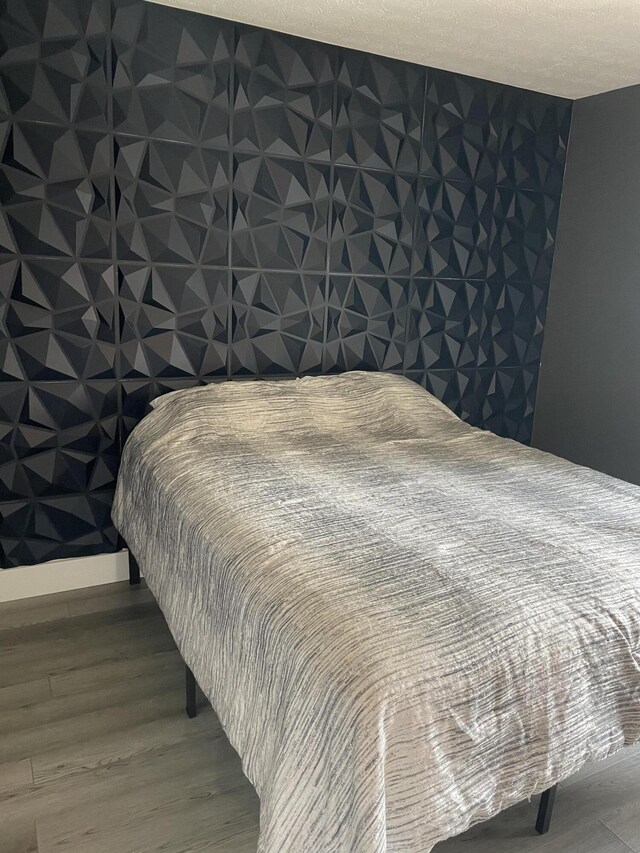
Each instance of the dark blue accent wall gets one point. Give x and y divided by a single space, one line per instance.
184 199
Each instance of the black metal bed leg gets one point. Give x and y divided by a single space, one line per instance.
134 570
545 810
191 694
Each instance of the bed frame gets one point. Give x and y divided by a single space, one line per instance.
547 798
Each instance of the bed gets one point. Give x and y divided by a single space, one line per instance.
404 624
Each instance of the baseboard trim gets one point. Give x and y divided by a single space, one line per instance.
63 575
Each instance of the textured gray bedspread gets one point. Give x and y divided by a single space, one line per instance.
405 624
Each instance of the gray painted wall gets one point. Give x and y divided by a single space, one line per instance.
588 407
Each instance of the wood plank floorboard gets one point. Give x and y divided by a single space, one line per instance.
19 836
97 755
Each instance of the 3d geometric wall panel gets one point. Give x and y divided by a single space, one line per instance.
452 230
172 202
534 133
501 400
444 324
54 528
506 401
171 74
513 315
57 319
523 234
366 323
283 97
187 200
456 388
462 123
138 394
54 61
374 214
379 113
277 322
174 321
280 213
55 190
57 438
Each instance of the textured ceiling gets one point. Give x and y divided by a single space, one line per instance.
572 48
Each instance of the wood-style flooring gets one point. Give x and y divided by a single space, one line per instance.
98 756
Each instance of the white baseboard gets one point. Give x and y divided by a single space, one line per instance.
63 575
